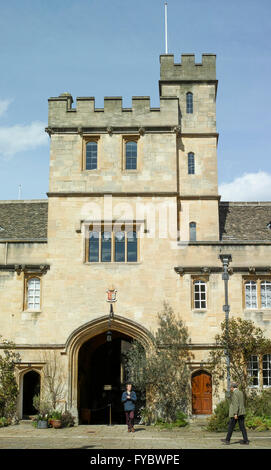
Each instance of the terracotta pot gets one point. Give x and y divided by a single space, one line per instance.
56 423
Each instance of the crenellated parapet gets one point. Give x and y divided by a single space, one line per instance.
85 114
187 69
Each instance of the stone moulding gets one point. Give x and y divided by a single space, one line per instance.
26 268
219 269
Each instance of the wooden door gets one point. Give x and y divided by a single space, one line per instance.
202 393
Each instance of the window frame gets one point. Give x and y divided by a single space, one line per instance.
189 155
195 231
258 371
268 369
205 280
189 104
116 227
258 280
27 278
125 140
86 140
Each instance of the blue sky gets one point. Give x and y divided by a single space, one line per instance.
111 47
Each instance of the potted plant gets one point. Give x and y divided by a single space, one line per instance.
55 419
44 410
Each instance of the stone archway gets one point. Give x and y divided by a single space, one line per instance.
31 387
90 330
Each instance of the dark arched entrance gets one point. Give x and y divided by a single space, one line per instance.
202 393
31 387
101 378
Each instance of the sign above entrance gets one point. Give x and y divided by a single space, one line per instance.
111 295
107 387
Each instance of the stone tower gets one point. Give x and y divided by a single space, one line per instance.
196 135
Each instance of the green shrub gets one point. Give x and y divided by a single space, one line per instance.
67 420
258 413
259 404
181 421
219 420
4 422
258 423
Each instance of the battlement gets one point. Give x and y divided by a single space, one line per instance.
187 69
62 114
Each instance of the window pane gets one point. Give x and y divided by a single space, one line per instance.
131 246
91 155
266 294
33 293
192 231
253 370
191 163
120 246
189 103
200 291
131 155
93 246
267 370
251 294
106 246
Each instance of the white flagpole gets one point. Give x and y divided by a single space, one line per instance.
166 26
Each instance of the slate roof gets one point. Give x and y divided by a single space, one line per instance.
23 220
238 221
246 221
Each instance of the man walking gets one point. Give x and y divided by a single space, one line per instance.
128 399
236 413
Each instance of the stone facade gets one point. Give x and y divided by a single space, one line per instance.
48 238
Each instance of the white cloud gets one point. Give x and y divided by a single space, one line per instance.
4 104
248 187
20 138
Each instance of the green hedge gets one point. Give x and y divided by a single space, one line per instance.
258 413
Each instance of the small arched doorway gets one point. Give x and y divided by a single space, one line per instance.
201 393
31 387
102 378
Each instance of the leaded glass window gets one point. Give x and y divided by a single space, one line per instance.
93 246
91 155
106 246
120 246
192 231
131 155
189 103
131 246
191 163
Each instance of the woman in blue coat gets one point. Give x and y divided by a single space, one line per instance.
128 399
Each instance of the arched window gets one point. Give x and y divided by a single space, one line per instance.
93 246
132 246
192 231
120 246
189 102
106 246
91 155
251 294
191 163
33 293
131 155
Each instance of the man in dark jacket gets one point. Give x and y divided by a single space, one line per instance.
128 399
236 413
